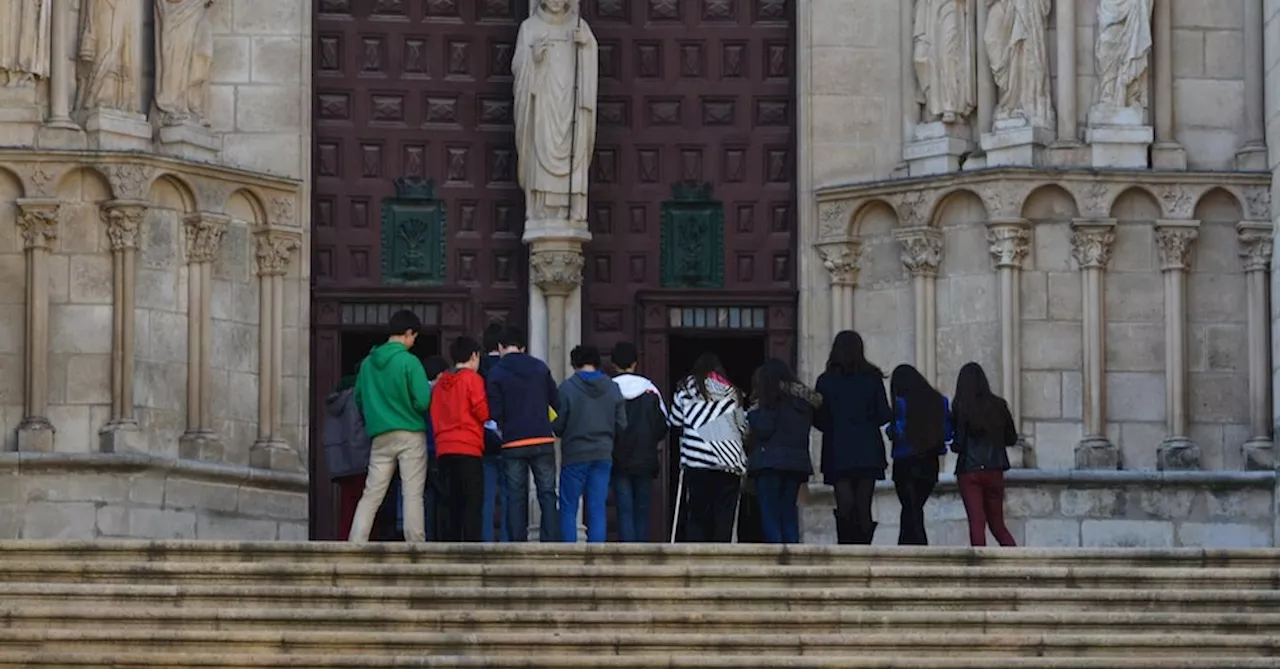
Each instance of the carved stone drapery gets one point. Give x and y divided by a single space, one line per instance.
1017 49
922 255
1257 244
1175 244
1091 244
943 43
38 223
1122 50
184 54
204 233
556 273
123 220
274 250
24 42
108 76
843 262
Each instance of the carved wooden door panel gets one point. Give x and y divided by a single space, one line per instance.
694 91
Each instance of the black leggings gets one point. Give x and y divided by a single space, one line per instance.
853 501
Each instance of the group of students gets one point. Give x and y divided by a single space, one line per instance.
487 423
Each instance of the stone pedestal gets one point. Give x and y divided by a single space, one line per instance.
1259 455
202 446
189 140
1178 454
1097 453
111 129
35 435
61 134
274 455
20 115
1067 154
1015 142
1118 137
1168 156
122 437
936 148
1252 157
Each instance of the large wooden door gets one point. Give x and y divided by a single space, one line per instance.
690 91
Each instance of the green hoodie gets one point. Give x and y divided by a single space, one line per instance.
392 391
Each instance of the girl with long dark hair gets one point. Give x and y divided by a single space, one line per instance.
854 407
984 427
920 431
780 418
707 409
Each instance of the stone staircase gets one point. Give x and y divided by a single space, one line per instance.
242 605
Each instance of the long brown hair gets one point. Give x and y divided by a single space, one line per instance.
975 407
926 410
849 356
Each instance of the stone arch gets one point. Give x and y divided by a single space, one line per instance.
11 185
873 217
84 183
170 191
1219 205
958 207
1049 202
245 205
1136 203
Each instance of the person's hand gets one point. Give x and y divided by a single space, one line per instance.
579 36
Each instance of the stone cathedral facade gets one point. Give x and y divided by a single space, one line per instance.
203 213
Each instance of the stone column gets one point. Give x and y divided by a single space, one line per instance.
38 223
1175 243
922 255
1091 242
986 83
1256 246
204 240
123 219
1253 154
1065 20
907 71
1010 240
842 260
273 250
61 78
557 272
1166 153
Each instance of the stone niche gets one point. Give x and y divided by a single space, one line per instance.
157 385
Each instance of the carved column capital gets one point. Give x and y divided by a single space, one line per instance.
921 250
1010 241
556 272
273 250
1091 242
1175 242
1257 243
38 222
842 260
123 219
204 236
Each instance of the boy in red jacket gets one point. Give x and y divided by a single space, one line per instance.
458 413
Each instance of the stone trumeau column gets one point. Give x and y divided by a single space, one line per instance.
1257 243
922 255
204 240
1175 244
38 222
1091 243
123 219
843 261
1010 240
274 249
557 273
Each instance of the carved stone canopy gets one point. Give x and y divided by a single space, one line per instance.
556 272
123 219
1091 242
1257 243
273 250
38 222
1175 242
921 250
204 236
1010 241
842 260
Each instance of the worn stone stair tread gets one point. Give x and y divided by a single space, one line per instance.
687 575
338 552
68 616
170 660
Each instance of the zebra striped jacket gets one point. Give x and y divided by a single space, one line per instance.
711 428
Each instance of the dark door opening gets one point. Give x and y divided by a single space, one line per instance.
740 355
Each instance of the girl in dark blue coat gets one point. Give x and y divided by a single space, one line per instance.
920 431
780 419
854 407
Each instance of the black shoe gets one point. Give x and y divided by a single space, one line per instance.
844 529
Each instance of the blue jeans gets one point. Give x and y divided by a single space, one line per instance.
632 494
592 480
493 491
516 473
779 516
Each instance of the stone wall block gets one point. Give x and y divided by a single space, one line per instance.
80 329
1052 533
1041 395
293 532
162 523
108 487
88 379
90 281
1224 535
186 495
13 277
215 527
59 520
259 503
1231 504
1126 534
1029 502
1166 503
1090 503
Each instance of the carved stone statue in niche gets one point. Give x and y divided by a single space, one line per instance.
107 75
1019 57
943 57
24 41
1123 52
184 53
555 114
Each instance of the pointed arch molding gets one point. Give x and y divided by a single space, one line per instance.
1004 191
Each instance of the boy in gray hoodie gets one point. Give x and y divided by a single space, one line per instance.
590 417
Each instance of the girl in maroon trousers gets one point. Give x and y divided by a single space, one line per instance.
983 428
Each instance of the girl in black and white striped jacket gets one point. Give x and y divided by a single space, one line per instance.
708 411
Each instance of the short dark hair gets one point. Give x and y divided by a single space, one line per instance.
435 366
492 337
624 354
462 349
584 355
512 336
403 321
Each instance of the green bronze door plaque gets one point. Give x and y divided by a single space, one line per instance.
413 230
692 237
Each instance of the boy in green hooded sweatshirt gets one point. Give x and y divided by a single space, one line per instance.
393 394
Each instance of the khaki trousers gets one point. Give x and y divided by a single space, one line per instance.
409 451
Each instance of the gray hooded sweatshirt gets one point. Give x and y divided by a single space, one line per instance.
592 414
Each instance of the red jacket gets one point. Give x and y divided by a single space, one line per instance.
458 412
